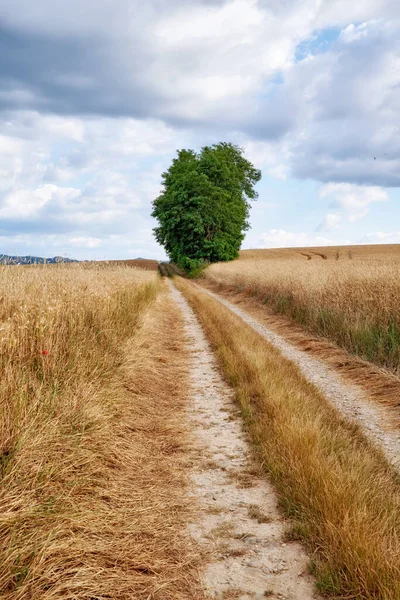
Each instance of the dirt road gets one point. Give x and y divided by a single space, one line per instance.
349 400
239 526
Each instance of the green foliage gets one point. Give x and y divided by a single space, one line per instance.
204 207
196 268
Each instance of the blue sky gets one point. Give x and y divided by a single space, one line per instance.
94 105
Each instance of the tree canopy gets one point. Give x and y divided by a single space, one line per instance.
204 207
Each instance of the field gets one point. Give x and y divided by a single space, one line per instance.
372 252
348 295
113 482
91 497
139 263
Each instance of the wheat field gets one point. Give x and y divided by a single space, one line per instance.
95 489
349 295
359 252
91 501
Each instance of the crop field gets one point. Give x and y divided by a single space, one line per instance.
139 263
348 295
125 473
89 491
372 252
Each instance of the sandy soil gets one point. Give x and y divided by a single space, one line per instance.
350 400
239 525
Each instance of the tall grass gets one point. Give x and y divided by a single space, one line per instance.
342 496
353 303
86 487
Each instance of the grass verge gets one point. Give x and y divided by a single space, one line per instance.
92 441
341 494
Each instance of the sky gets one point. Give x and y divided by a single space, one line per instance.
97 97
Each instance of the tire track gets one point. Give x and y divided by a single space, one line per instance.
239 525
348 399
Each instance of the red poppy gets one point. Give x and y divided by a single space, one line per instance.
44 352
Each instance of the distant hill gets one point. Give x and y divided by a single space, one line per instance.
33 260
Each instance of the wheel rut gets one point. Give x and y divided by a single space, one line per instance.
239 525
374 420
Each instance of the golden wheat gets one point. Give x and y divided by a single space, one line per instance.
91 502
352 302
360 252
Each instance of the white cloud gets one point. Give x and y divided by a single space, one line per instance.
348 109
83 248
85 242
105 98
278 171
280 238
24 203
341 12
380 237
268 156
81 181
352 32
329 222
354 199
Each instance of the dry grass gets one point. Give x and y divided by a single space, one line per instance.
351 302
341 494
256 513
92 447
379 383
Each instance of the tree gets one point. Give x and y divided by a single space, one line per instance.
204 207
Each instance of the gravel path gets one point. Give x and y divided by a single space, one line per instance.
239 525
349 400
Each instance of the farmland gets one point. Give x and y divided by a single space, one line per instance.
348 295
89 416
157 443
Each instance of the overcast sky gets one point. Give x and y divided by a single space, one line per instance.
97 96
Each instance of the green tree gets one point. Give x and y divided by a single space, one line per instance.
204 207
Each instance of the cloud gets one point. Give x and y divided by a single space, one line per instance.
229 66
341 12
83 248
186 63
355 200
85 242
380 237
93 105
190 62
280 238
268 156
23 204
329 222
80 179
349 108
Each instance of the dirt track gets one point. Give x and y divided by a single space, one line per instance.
349 400
239 525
